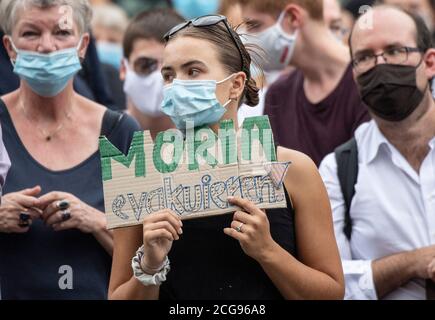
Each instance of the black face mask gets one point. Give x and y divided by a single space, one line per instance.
390 91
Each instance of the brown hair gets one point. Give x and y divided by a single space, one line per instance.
151 24
225 5
275 7
228 54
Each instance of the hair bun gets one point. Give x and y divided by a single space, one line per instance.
251 93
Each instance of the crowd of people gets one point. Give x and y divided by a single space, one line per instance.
347 86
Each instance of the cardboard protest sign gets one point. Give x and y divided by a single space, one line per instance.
192 173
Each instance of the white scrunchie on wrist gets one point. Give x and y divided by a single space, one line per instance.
146 279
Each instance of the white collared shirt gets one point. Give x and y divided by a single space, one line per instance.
393 210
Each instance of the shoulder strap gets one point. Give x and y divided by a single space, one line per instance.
346 156
110 120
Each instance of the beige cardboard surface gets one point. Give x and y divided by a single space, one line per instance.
131 194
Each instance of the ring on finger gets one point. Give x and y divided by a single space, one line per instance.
63 204
24 217
239 228
65 215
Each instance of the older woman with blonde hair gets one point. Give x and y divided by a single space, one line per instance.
53 238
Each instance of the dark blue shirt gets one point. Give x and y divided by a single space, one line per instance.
30 264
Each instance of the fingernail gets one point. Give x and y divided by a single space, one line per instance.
180 231
230 198
181 223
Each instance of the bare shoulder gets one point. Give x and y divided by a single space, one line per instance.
90 105
302 181
301 167
92 112
10 99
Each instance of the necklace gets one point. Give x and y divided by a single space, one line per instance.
48 136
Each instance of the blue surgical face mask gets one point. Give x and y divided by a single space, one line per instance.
47 74
190 9
110 53
193 100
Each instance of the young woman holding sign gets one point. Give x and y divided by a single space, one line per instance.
286 253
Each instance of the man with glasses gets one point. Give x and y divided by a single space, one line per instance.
389 251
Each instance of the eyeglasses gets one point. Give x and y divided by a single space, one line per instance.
395 55
207 21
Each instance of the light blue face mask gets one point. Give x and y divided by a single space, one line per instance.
190 9
193 100
110 53
47 74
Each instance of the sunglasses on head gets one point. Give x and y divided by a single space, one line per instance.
206 21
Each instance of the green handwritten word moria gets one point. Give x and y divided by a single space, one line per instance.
191 173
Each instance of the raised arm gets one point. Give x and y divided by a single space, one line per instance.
157 233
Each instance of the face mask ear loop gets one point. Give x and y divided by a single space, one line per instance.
78 47
80 43
226 79
281 29
13 47
291 37
429 82
279 23
281 18
227 103
222 81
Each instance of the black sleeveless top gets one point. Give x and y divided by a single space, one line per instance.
208 264
31 263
